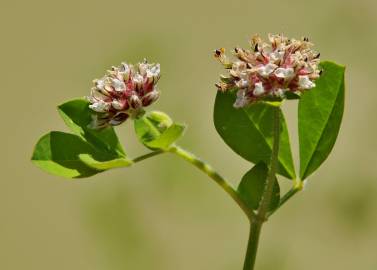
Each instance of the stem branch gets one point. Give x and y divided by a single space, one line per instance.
213 174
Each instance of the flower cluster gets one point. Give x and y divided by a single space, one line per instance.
270 70
123 93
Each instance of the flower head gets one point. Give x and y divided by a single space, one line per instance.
123 93
270 70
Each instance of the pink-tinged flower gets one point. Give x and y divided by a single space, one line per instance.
123 93
270 70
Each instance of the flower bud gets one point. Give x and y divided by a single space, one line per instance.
150 97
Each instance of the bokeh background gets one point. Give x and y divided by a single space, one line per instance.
164 214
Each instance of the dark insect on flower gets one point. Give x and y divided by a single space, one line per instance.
123 93
270 69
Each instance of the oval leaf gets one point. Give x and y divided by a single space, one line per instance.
249 132
320 114
252 186
158 132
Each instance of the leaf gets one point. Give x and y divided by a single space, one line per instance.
68 155
252 186
158 132
77 115
249 132
58 153
320 114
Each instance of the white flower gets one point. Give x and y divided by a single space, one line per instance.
285 73
241 99
100 106
138 79
143 67
125 71
100 84
153 71
117 105
266 70
239 66
305 83
118 85
259 89
276 55
242 83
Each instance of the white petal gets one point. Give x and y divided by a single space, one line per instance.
100 84
305 83
100 106
285 73
259 89
118 85
241 100
242 83
266 70
276 55
117 105
239 66
138 79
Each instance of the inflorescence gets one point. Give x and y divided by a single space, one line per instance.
270 70
123 92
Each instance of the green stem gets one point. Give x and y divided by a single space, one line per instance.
261 216
151 154
207 169
252 245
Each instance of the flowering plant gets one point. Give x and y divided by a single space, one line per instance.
247 115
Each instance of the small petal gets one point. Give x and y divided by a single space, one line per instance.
242 83
241 100
285 73
100 106
150 98
138 79
259 89
117 105
276 56
266 70
100 84
118 85
305 83
135 102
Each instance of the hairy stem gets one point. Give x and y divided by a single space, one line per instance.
213 174
262 212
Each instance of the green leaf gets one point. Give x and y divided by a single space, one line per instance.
156 130
249 132
58 153
252 186
320 114
77 115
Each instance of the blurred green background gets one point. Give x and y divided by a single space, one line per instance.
164 214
